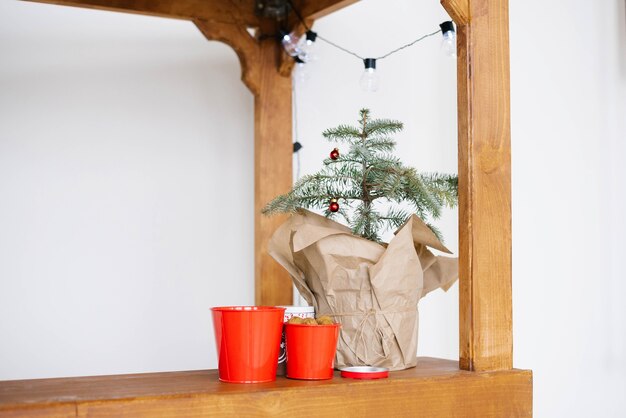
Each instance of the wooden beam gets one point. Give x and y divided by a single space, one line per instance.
232 11
245 46
435 388
485 317
273 154
458 10
316 9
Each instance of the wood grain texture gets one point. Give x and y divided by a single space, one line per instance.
224 11
55 410
435 388
273 154
458 10
316 9
485 316
245 46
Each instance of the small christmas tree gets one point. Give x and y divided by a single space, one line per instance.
353 184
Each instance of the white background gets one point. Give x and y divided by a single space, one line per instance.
126 184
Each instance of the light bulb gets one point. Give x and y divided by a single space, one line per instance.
290 43
307 47
369 79
304 53
448 43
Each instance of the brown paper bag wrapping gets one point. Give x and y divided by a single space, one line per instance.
371 290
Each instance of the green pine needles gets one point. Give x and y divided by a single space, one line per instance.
365 177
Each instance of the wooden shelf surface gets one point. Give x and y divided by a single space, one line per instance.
435 387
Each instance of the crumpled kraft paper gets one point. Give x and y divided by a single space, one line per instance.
371 289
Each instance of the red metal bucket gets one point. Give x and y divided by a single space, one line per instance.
311 350
248 341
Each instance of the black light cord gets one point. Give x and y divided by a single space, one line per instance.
347 51
298 15
409 44
339 47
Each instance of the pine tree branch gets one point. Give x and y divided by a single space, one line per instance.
363 175
342 160
443 186
381 144
342 133
383 127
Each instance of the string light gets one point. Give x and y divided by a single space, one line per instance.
369 79
302 49
448 43
306 46
289 42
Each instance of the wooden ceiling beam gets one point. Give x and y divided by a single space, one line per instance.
233 12
316 9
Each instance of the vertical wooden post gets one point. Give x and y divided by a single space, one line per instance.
273 153
485 323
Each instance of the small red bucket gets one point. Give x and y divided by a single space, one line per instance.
311 350
248 341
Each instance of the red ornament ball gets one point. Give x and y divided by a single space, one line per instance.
334 206
334 154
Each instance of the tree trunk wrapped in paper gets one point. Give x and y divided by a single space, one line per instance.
372 290
370 287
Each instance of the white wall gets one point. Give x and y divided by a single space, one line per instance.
126 192
568 91
121 138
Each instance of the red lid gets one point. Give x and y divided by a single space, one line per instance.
365 372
